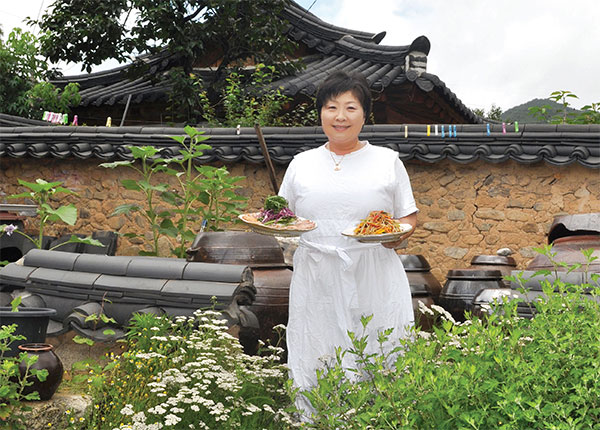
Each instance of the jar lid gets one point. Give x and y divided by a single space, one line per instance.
414 263
474 274
498 260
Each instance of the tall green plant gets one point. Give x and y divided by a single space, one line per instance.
205 193
146 163
42 192
210 186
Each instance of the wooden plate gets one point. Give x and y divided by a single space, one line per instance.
299 227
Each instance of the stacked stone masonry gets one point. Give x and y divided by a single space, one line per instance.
465 209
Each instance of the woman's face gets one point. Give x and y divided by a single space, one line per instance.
342 119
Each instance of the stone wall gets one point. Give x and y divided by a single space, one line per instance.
465 209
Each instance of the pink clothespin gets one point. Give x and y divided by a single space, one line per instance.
503 128
74 120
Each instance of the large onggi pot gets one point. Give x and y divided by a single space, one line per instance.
495 262
568 235
424 287
264 256
463 285
568 250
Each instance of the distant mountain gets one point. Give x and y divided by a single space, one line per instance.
520 113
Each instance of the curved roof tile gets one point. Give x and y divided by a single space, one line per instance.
556 145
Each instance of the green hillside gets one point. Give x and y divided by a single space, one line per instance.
520 113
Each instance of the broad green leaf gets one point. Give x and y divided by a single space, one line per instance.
191 131
116 164
170 198
88 240
179 139
130 184
83 340
143 151
67 214
25 195
14 304
109 332
92 317
204 197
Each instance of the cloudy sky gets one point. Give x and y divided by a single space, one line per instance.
504 52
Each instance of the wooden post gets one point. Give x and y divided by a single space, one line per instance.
265 151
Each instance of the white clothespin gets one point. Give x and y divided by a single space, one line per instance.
238 129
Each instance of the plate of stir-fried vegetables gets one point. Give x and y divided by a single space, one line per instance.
277 219
378 227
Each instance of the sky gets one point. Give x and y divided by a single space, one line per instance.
502 53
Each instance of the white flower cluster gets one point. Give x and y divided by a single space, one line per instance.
207 375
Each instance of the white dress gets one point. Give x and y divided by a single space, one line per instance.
337 279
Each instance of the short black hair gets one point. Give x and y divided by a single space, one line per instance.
340 82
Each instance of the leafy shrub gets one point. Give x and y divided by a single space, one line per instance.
501 372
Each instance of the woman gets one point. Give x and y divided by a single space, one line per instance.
337 279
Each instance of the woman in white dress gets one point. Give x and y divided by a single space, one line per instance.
337 279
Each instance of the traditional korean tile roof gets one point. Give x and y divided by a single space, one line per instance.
330 48
554 144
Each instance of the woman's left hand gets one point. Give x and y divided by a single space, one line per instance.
409 219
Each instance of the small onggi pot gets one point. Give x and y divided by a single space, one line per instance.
48 360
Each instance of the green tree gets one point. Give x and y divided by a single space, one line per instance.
495 112
230 32
21 68
24 89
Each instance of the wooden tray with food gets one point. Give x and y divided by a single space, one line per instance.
277 219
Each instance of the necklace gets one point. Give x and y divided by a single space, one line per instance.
337 167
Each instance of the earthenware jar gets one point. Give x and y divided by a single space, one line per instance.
47 360
567 250
463 285
495 262
483 302
418 272
263 254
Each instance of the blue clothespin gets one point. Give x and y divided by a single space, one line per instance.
488 129
443 134
454 128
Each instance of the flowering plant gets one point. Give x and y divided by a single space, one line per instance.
41 192
187 372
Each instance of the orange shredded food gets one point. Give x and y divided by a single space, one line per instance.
378 222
